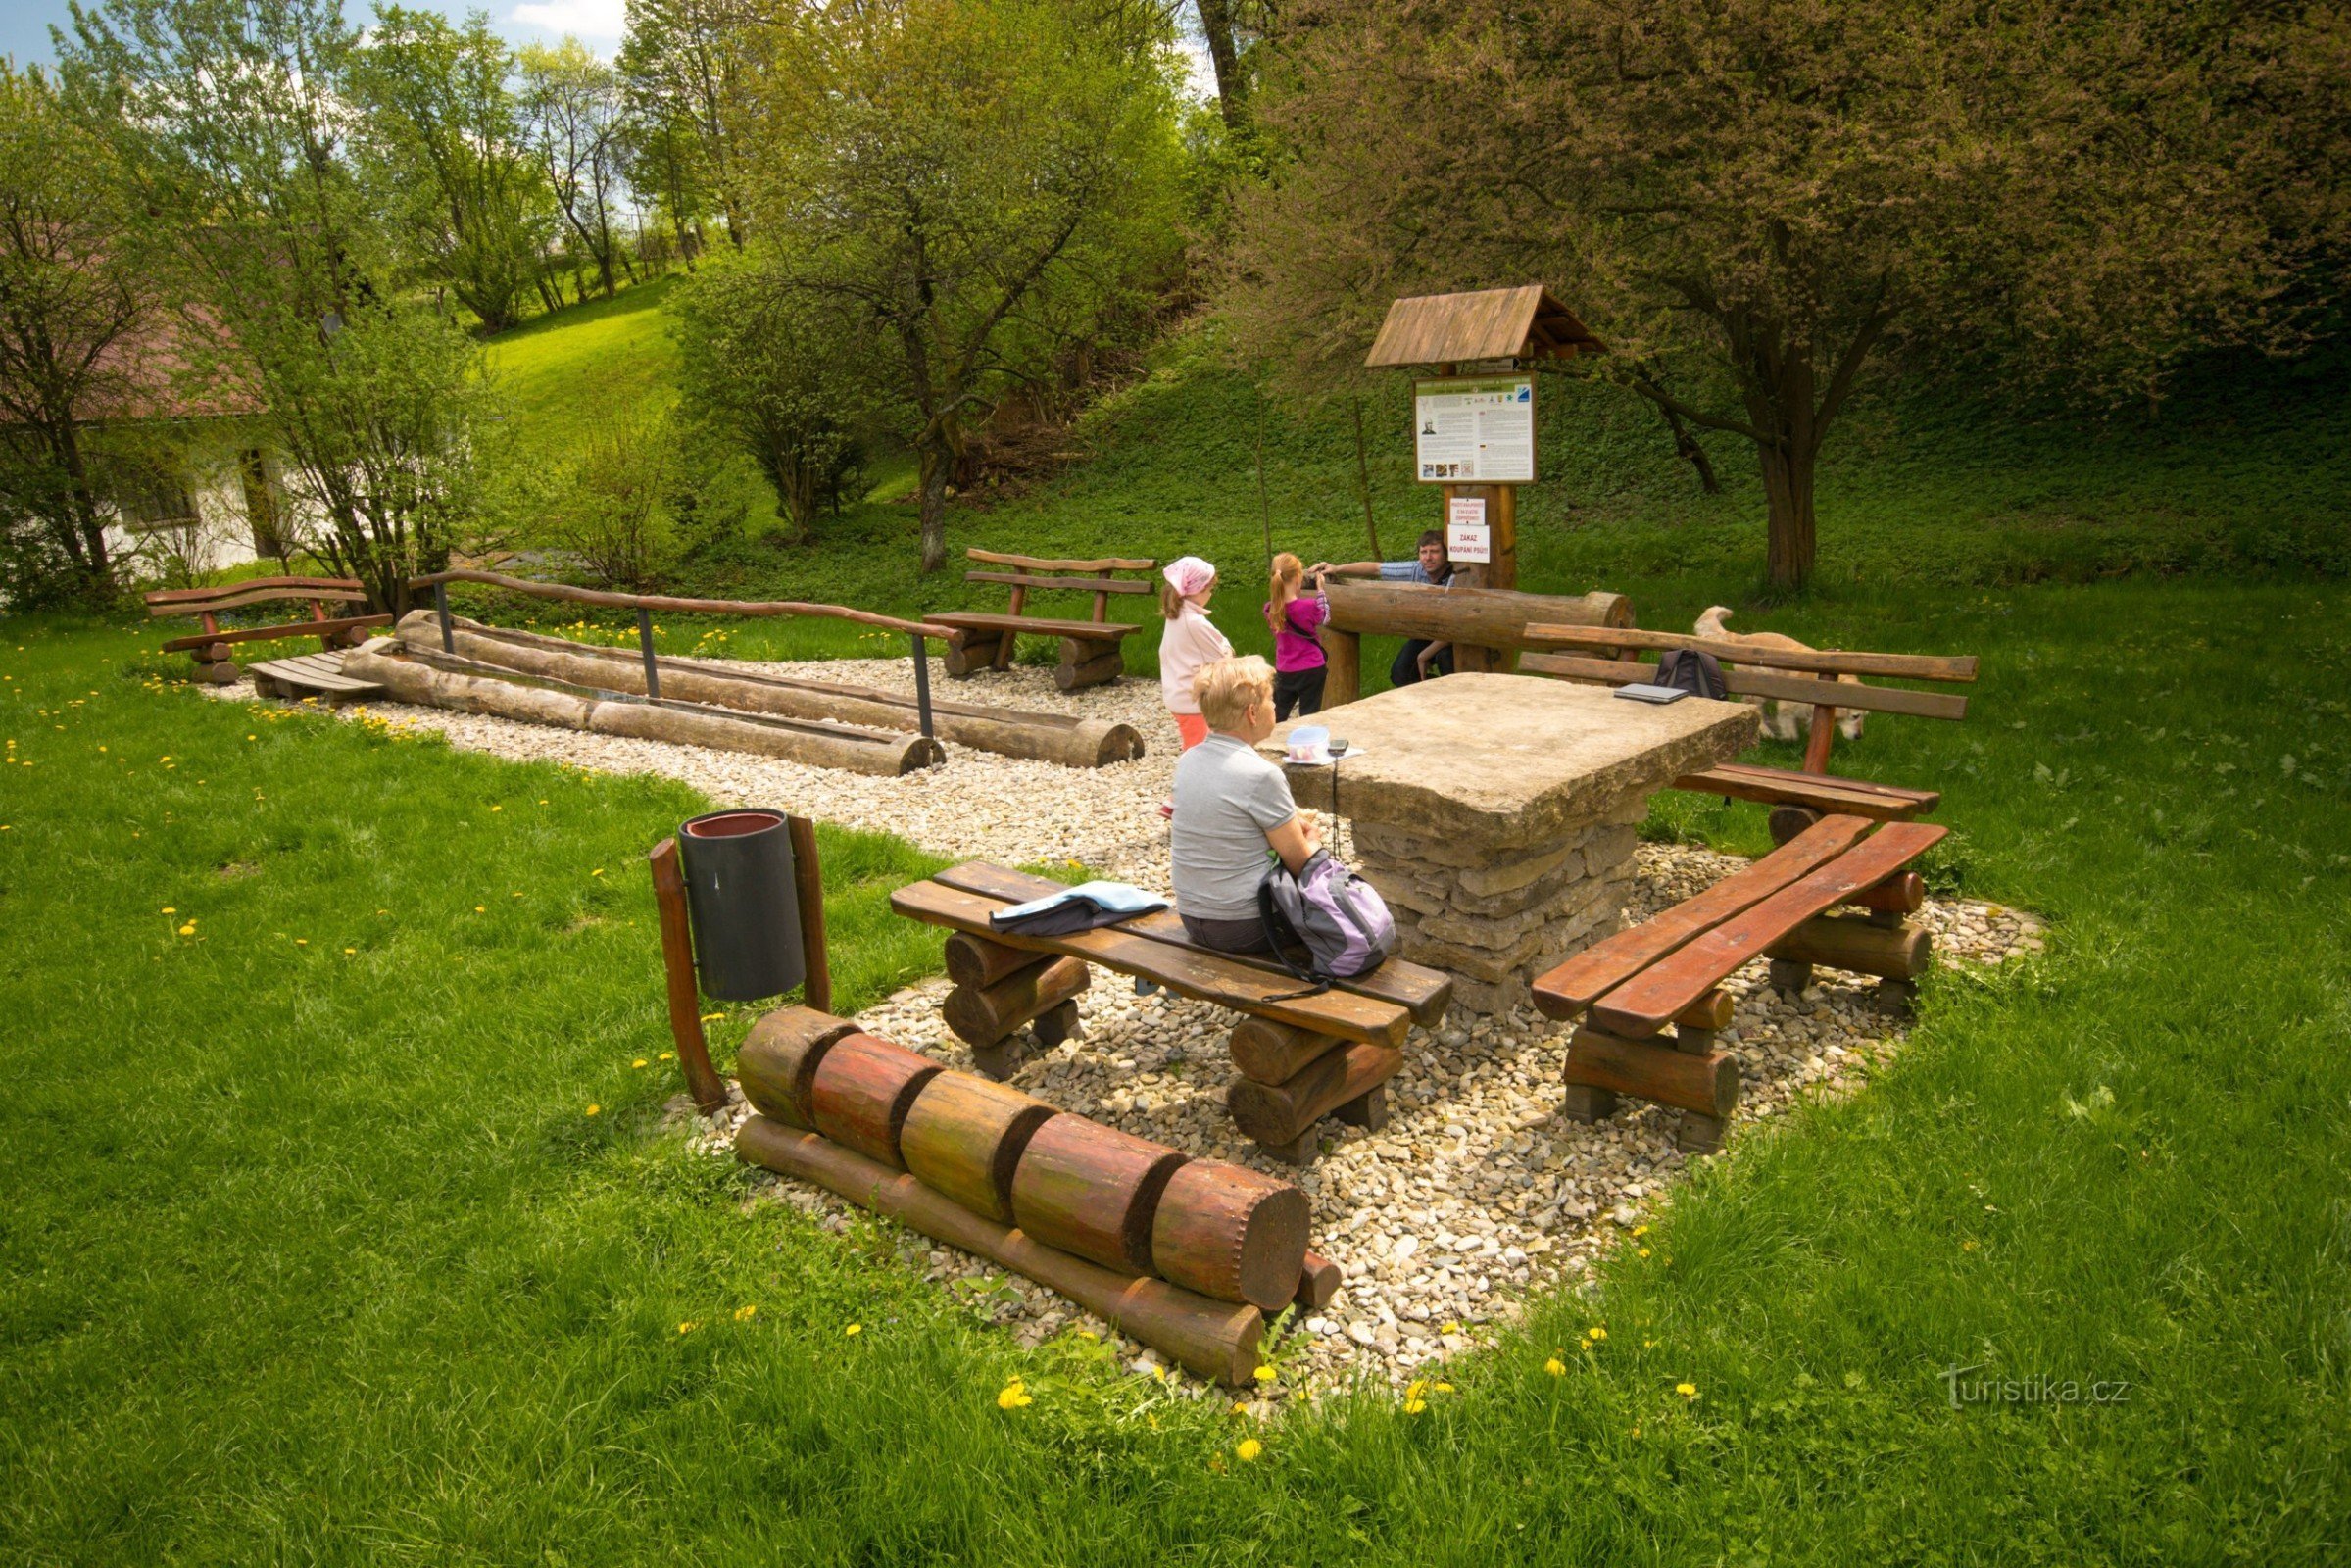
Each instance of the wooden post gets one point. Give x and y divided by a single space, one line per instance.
807 890
1343 666
1823 736
922 686
440 607
652 672
1502 572
685 996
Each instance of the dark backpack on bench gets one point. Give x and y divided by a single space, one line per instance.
1690 670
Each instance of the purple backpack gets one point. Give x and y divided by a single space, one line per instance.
1338 917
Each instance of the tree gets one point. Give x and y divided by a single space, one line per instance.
444 139
773 372
71 301
577 116
227 121
980 180
683 62
1779 194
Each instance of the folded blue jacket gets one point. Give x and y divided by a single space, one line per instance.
1080 909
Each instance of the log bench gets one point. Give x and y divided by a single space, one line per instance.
1829 680
211 646
1301 1058
1090 648
1668 972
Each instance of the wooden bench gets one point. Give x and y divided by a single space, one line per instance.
1669 971
1301 1058
211 646
1827 680
1090 648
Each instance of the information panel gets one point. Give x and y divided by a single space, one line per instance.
1475 429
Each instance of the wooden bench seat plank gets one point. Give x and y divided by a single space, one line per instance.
1744 682
263 634
1648 1001
1422 992
1091 585
1204 977
240 601
1582 980
1881 802
1823 660
997 558
982 620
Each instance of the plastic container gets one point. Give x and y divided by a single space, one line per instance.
739 894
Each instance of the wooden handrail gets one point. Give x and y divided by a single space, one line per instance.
1912 667
683 606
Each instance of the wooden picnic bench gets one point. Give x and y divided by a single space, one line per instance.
211 646
1669 971
1090 648
1827 680
1301 1057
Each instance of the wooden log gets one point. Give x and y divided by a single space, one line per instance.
1654 1070
1586 1103
984 1015
1489 617
1275 1053
1055 1024
1343 667
1903 952
777 1064
1908 666
1278 1113
1713 1011
684 993
1790 977
1217 1340
1319 1280
1093 1190
1699 1134
1897 895
970 652
437 680
861 1092
1367 1111
1063 739
1094 670
977 963
965 1136
1230 1232
218 672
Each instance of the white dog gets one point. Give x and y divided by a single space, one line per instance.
1782 720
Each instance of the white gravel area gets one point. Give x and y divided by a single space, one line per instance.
1475 1194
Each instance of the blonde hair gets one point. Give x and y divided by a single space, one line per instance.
1287 568
1229 688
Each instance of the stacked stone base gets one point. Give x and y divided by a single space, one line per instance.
1495 916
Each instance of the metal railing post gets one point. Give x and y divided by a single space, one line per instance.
653 676
440 607
922 685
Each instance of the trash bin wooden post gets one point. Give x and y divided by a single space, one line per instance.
685 994
808 887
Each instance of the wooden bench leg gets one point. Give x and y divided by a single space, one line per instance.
1367 1111
1705 1082
1587 1103
984 1015
999 1060
1899 996
1056 1025
1699 1134
1085 662
1787 821
1900 952
1789 976
970 652
1303 1149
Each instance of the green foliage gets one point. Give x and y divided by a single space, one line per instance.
576 110
774 374
615 505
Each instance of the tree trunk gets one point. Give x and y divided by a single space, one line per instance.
938 462
1788 490
1216 22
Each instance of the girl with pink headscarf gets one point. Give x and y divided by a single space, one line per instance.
1188 644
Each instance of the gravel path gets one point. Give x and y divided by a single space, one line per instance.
1476 1194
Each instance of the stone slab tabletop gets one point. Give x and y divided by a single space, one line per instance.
1509 760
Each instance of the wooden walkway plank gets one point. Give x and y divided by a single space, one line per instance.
1575 985
1422 992
1644 1003
1204 977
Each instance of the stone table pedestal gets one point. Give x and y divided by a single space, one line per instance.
1496 813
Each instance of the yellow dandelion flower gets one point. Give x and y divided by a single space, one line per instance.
1417 1388
1645 1251
1266 1374
1596 1334
688 1326
167 910
302 941
1013 1396
350 952
1448 1328
1247 1449
1556 1368
1688 1391
712 1017
1443 1388
1968 1245
599 871
1415 1406
667 1055
595 1110
744 1314
481 909
497 808
188 930
1641 1230
854 1330
639 1062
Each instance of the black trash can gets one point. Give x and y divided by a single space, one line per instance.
738 869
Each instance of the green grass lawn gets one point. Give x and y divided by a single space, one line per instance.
315 1254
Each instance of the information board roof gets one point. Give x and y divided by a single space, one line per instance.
1495 324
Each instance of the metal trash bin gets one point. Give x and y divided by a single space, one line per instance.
738 867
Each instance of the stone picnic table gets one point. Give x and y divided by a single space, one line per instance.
1496 813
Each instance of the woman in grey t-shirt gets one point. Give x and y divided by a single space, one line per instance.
1233 811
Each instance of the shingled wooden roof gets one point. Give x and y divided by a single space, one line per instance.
1495 324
